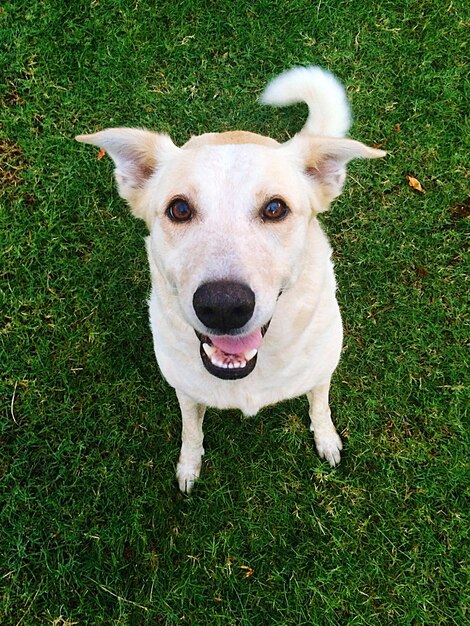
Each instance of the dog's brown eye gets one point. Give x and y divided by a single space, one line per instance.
179 211
275 210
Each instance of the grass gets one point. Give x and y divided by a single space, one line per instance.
92 527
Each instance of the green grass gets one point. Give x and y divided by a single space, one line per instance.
92 527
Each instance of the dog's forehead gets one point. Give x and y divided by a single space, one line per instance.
231 170
231 162
231 137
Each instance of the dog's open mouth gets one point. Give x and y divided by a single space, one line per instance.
231 356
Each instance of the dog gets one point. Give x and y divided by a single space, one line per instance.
243 309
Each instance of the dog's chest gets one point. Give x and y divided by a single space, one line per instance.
293 359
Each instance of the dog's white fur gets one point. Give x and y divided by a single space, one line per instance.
228 178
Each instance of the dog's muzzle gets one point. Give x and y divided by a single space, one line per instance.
224 307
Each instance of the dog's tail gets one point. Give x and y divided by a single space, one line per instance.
329 112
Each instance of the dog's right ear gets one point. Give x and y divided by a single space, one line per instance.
136 153
324 160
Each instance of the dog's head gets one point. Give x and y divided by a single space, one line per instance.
228 216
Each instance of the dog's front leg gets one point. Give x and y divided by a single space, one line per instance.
189 464
327 440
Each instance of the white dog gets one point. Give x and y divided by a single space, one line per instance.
243 308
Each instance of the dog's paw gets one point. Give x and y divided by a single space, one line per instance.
187 476
329 447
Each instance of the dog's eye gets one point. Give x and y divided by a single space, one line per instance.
275 210
179 211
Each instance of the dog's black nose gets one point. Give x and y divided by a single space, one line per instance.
224 305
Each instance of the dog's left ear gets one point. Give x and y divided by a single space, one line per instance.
324 160
137 154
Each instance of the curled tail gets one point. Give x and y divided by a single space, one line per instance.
329 113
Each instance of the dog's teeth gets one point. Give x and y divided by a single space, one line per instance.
250 354
238 361
209 350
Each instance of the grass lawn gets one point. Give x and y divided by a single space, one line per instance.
92 527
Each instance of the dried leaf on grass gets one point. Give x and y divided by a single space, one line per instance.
101 154
248 571
414 183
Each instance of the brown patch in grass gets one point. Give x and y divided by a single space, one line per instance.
459 211
11 164
12 97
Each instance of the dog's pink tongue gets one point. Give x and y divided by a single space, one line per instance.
237 345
